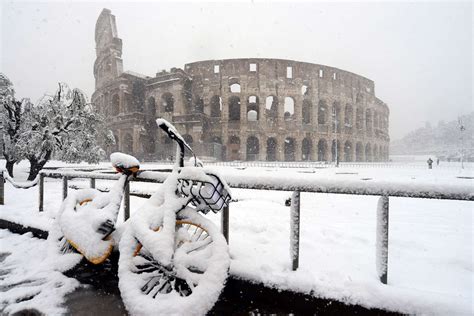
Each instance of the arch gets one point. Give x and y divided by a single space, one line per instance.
305 90
289 108
116 146
322 150
151 106
368 120
252 148
289 149
359 119
115 104
359 152
307 112
322 112
127 144
271 149
188 139
234 108
375 156
234 148
348 117
167 102
306 148
235 87
376 119
271 107
216 106
348 151
368 152
199 105
253 108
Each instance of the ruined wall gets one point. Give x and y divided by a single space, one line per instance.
240 109
314 107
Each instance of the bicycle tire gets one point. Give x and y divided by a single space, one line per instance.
193 283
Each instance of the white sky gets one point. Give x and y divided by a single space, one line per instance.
418 53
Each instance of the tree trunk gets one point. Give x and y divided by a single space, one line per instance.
36 166
9 166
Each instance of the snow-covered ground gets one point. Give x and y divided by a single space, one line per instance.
430 241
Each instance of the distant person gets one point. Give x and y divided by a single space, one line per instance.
430 163
437 161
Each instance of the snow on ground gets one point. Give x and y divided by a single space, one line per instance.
430 241
27 280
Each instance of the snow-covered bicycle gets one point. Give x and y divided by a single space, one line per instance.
173 260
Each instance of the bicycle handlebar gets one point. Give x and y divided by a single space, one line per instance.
174 135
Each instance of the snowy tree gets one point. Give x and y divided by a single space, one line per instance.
12 112
63 126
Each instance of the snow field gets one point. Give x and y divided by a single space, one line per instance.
430 241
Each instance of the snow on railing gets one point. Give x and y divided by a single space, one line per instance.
286 182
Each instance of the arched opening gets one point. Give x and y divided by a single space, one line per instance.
306 148
188 139
271 149
115 147
348 151
375 156
336 118
289 108
307 111
368 120
368 153
234 108
234 148
252 108
167 102
359 152
252 148
322 150
305 90
322 112
359 119
348 118
289 149
128 144
271 107
216 139
151 107
216 106
235 88
115 104
199 105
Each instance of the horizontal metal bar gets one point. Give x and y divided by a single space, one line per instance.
310 183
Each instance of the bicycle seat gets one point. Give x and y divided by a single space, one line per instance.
124 163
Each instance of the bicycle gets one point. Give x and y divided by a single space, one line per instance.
172 259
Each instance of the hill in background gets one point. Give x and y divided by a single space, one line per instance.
443 141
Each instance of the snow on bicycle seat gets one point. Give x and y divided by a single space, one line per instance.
122 162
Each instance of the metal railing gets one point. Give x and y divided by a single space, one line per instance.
364 186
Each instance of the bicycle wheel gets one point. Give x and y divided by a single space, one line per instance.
189 286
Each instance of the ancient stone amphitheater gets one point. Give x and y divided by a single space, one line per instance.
240 109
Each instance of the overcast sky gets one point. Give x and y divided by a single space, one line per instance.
418 53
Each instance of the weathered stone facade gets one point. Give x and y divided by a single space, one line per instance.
241 109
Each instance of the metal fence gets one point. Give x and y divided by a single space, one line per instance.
383 189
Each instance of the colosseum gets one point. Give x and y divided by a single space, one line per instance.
240 109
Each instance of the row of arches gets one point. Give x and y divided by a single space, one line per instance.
346 151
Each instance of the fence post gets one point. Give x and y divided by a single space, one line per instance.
126 202
64 187
225 223
41 192
92 183
381 239
295 229
2 188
